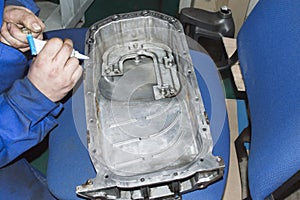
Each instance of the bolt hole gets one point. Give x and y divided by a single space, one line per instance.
90 41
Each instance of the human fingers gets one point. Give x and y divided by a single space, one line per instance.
37 35
2 39
72 71
24 17
51 49
34 24
71 65
24 49
16 33
77 74
51 79
40 37
5 32
65 52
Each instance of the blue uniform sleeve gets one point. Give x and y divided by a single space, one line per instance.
26 116
26 3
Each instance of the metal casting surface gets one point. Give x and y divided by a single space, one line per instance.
148 134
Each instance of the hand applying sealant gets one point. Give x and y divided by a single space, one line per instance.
36 46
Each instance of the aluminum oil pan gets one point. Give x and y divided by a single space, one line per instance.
148 134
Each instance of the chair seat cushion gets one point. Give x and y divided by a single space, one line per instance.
69 164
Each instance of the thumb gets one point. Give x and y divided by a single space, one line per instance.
35 27
33 23
23 17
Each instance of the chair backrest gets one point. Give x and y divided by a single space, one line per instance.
269 54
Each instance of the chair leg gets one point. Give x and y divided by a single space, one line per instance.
242 156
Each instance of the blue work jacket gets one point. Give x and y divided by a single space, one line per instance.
26 115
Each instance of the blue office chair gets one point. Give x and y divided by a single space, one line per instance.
69 164
269 49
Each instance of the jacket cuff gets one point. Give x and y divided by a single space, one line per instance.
31 102
30 4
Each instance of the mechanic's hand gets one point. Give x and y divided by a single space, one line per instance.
53 71
16 18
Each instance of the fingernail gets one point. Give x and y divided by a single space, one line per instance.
36 27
